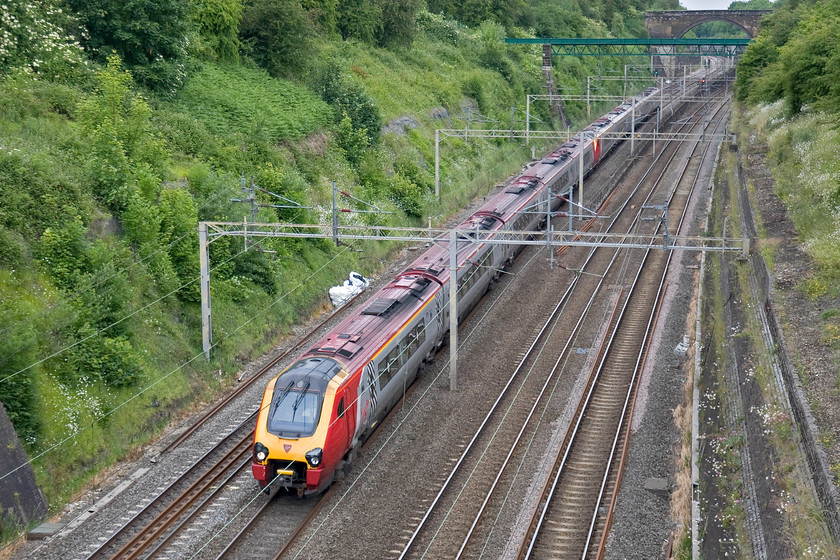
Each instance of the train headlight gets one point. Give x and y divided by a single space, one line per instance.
260 452
314 457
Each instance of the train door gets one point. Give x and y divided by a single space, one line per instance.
367 401
441 315
344 423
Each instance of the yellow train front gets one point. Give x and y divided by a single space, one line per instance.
302 429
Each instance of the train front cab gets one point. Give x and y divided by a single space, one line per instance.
303 427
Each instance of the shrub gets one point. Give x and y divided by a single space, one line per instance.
353 142
406 195
63 252
350 99
473 87
217 23
113 360
179 225
278 35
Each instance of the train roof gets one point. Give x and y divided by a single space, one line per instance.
357 339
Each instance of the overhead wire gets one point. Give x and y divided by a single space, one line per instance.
172 372
126 317
99 281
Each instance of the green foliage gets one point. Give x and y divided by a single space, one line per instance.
803 159
492 53
278 35
256 267
352 141
125 148
409 168
286 182
475 12
398 22
359 19
106 291
149 35
13 248
795 57
811 59
760 54
438 27
217 26
406 195
63 252
473 87
111 360
233 100
324 13
349 99
559 19
142 222
36 191
178 224
33 39
17 352
185 134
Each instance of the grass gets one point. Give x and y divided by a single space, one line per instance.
234 100
804 164
803 527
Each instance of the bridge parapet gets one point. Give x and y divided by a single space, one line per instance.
675 23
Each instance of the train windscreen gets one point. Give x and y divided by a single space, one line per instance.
294 412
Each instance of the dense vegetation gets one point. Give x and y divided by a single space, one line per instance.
790 76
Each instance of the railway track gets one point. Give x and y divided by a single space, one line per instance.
152 529
154 525
574 511
461 517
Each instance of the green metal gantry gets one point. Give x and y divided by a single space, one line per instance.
639 47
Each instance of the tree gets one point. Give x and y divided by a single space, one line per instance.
149 35
278 35
760 54
398 25
324 13
33 37
810 55
359 19
217 24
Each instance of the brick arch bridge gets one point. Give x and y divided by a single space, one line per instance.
673 24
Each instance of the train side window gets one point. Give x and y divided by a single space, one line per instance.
391 367
384 374
403 354
340 411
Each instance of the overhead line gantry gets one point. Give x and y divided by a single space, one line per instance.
637 47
